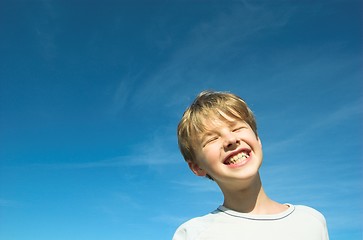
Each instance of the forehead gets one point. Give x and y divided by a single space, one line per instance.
215 120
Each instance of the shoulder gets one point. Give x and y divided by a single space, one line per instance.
193 227
313 219
311 214
310 211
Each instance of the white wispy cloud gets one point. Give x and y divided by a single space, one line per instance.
125 90
45 29
169 219
138 159
320 123
111 206
9 203
189 65
156 149
342 114
199 185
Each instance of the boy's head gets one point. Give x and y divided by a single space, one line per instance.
210 105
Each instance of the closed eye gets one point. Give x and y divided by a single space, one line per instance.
238 128
209 140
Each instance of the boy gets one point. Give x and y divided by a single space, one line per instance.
218 138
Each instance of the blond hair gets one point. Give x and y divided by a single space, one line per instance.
206 105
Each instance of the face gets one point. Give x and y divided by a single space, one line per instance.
228 151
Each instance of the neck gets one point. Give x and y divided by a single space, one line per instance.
251 199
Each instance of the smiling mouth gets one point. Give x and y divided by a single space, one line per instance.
240 157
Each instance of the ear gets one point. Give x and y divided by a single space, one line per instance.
259 141
196 169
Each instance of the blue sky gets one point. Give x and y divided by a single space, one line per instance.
91 93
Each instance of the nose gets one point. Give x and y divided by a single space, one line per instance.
230 141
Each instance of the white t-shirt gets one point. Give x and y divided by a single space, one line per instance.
296 223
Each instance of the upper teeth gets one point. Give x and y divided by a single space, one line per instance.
239 156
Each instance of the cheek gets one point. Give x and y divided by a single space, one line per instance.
210 155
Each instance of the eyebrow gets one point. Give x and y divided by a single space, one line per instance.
202 136
207 134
